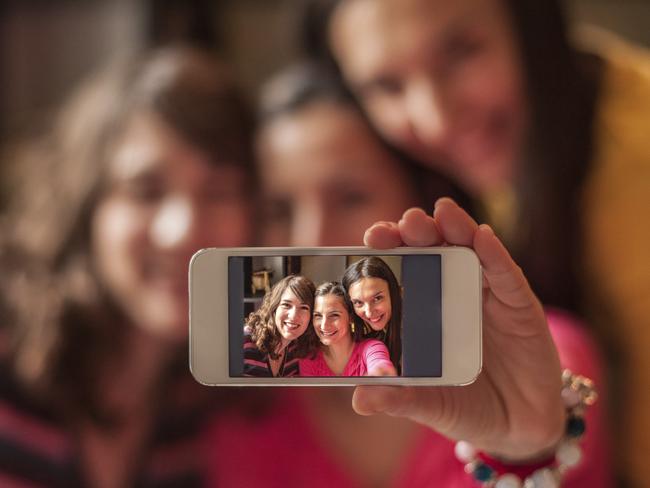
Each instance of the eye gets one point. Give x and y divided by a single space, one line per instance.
276 210
378 298
304 308
352 198
357 304
382 85
144 190
461 48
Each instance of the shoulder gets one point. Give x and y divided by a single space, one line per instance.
621 120
311 366
32 434
372 345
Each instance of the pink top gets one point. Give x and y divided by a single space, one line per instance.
284 449
366 355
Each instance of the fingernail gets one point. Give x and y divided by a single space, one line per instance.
487 228
442 199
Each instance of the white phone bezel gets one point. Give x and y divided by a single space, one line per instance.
461 324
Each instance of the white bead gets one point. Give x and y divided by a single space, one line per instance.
569 454
542 478
508 481
464 451
570 397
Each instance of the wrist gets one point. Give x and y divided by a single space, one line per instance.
548 466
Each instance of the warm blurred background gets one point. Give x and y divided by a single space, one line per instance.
48 46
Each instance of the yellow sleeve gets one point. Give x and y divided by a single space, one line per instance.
616 210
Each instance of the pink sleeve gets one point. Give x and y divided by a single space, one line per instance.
579 353
375 355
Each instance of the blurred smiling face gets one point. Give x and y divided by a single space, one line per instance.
164 200
443 80
325 178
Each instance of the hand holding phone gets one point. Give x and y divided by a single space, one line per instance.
513 410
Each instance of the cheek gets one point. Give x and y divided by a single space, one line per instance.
493 84
119 240
391 119
227 226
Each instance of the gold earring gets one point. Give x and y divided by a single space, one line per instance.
352 327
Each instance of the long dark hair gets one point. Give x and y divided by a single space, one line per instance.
261 323
374 267
563 86
62 325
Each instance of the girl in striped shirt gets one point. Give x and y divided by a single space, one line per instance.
278 333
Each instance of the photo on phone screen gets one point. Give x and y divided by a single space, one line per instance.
335 315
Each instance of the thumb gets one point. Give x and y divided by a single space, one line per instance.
398 401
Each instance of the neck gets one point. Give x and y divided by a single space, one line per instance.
131 379
282 345
339 353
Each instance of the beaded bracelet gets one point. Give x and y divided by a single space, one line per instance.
578 392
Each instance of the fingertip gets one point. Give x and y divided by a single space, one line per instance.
444 201
371 400
414 211
455 224
382 235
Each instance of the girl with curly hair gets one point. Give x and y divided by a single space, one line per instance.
278 334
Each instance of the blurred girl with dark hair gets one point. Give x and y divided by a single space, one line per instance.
279 333
550 137
377 301
343 350
322 188
148 163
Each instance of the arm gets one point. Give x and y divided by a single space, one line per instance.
377 359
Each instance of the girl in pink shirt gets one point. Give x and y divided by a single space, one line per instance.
343 352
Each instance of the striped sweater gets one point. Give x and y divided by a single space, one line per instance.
256 362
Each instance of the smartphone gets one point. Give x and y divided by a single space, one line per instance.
405 316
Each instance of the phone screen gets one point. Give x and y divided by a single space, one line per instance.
336 315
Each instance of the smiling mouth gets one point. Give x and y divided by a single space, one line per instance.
376 320
328 334
291 325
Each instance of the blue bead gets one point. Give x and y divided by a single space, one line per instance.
483 472
575 426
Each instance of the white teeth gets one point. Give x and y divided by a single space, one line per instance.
327 334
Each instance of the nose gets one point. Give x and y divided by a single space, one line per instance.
174 222
292 312
425 111
367 310
308 226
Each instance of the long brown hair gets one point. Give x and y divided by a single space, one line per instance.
374 267
262 322
62 324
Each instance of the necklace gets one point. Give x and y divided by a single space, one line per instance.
282 360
